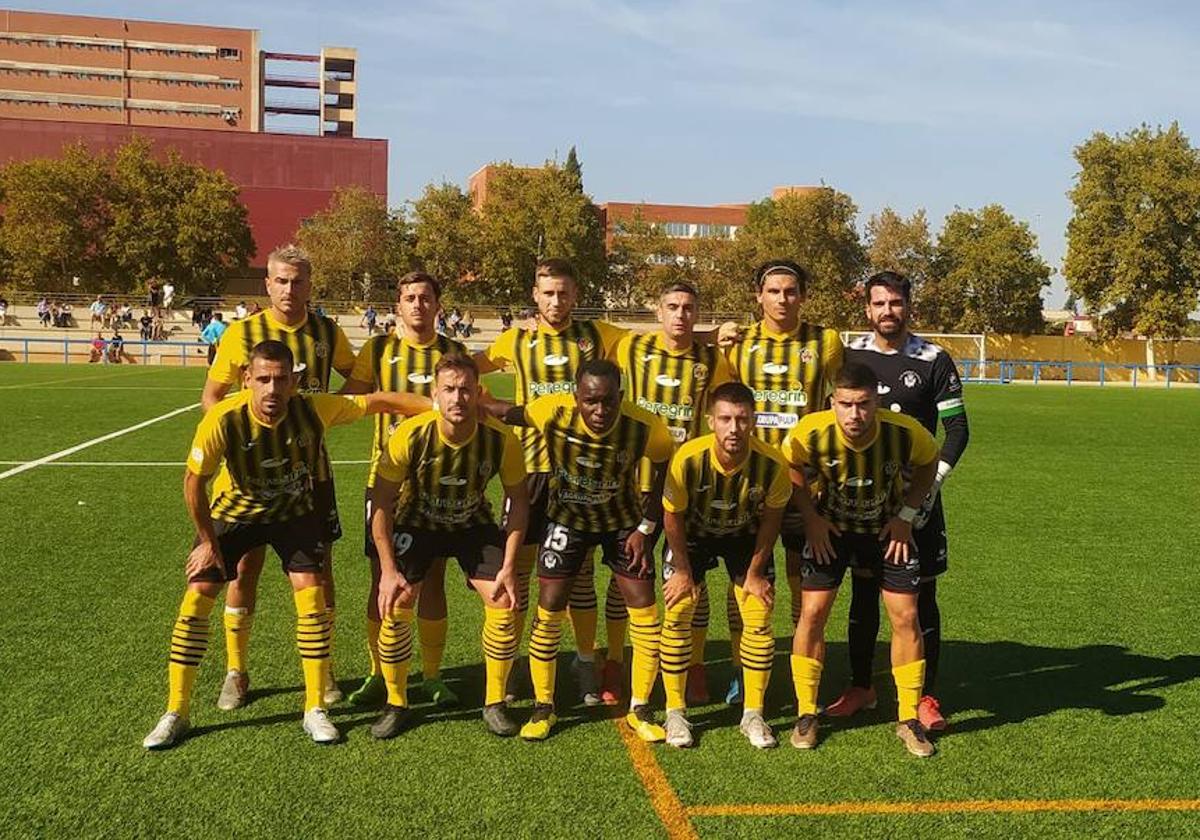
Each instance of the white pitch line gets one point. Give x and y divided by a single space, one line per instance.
63 453
128 463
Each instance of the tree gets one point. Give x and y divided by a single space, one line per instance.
816 229
212 236
445 230
902 245
529 215
357 246
1133 243
986 275
641 261
572 172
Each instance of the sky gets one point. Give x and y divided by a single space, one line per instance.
909 105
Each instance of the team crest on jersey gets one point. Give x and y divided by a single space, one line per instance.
485 469
622 457
910 378
321 348
685 400
890 468
756 494
314 384
806 356
586 345
700 372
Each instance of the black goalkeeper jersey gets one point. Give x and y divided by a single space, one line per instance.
920 380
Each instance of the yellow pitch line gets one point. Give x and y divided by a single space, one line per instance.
967 806
662 796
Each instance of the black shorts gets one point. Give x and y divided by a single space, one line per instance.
479 550
325 506
563 550
368 538
538 485
792 530
931 542
860 551
300 544
705 552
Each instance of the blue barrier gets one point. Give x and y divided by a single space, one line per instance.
132 349
972 370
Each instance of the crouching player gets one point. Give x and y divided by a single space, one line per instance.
724 498
850 463
267 441
445 459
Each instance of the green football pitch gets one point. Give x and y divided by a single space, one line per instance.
1070 667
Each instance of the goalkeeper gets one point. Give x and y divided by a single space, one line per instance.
917 378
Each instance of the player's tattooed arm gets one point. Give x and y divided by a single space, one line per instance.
517 521
396 402
681 583
817 529
757 583
394 590
207 553
214 391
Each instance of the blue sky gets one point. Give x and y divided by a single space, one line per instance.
904 104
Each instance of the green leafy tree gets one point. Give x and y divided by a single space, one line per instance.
212 234
895 243
446 234
641 261
986 275
1133 253
357 246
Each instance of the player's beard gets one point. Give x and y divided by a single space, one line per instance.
889 327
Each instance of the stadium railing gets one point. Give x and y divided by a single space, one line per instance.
79 350
1039 371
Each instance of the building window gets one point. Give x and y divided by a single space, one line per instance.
676 229
232 53
717 231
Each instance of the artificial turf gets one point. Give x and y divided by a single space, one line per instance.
1069 668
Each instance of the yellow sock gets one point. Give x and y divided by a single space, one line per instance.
395 652
733 614
909 678
544 639
431 633
373 644
238 621
581 607
795 587
312 640
675 651
616 621
526 557
189 640
700 626
644 630
806 678
757 648
499 649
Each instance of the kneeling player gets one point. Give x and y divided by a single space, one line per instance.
724 498
595 442
853 458
267 441
445 459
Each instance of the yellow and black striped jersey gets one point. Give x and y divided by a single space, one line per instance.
318 345
544 361
718 503
672 384
593 478
392 363
266 471
791 374
445 485
858 489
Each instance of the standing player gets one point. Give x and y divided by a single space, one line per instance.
850 464
319 347
444 460
919 379
789 365
267 442
594 444
404 361
668 373
545 360
724 498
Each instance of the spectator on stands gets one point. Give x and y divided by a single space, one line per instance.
168 293
467 325
126 314
116 346
389 323
147 324
98 308
206 316
158 330
454 320
256 308
506 318
64 315
43 312
368 320
153 296
211 335
241 311
197 315
3 311
441 322
97 349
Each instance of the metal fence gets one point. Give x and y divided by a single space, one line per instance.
1039 371
68 350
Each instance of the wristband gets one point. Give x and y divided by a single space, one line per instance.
943 471
907 514
647 526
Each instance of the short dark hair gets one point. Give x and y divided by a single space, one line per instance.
419 277
893 280
780 267
457 361
601 368
731 392
679 286
856 376
273 351
555 267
